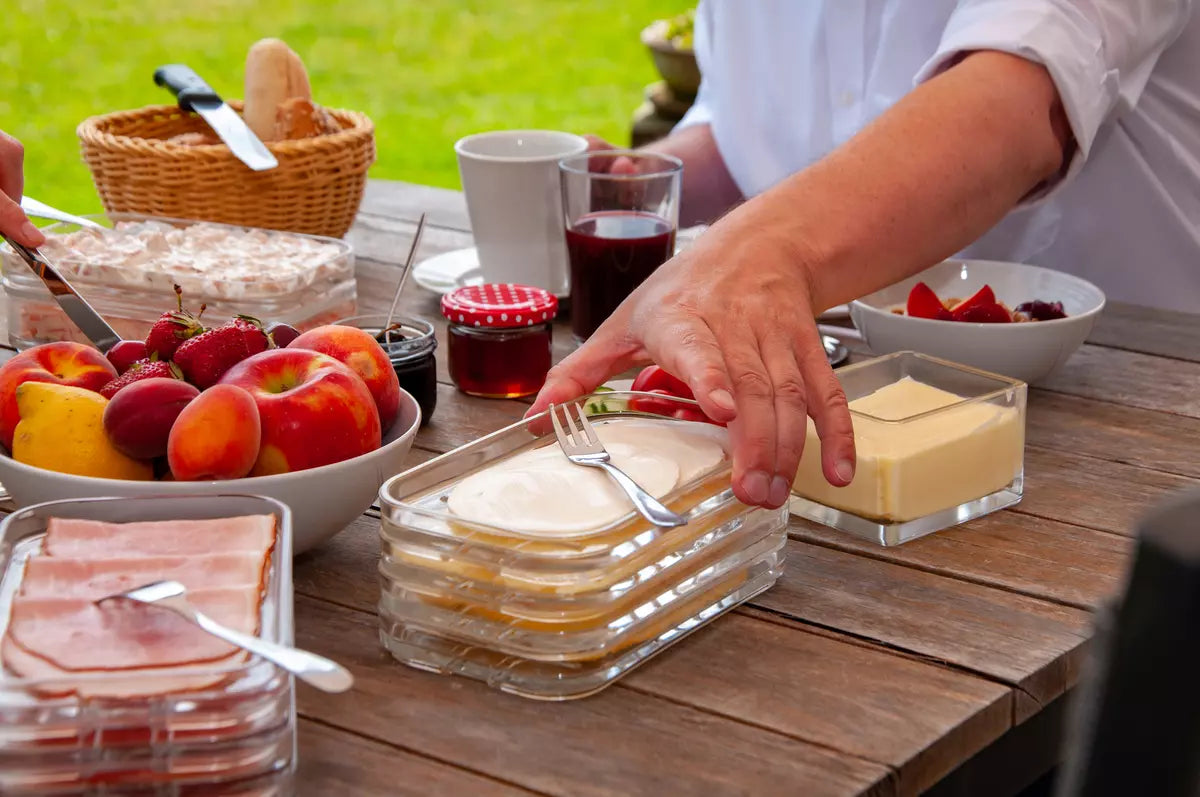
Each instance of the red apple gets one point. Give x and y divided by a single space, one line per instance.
216 436
314 410
138 419
359 350
62 363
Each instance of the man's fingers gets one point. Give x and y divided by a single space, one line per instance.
584 369
752 432
12 164
16 225
688 349
829 411
791 413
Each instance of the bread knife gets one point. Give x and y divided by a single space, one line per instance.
194 94
77 309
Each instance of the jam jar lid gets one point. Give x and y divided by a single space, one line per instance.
499 305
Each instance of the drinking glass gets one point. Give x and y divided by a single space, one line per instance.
621 210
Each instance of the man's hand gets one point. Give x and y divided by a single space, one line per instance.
731 317
13 221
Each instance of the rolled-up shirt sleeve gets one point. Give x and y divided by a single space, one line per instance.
1099 53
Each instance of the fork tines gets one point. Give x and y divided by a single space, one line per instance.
583 434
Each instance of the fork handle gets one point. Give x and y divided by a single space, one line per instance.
649 506
326 675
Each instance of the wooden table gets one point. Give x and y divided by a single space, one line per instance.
865 670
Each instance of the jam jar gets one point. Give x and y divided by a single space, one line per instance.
499 338
410 349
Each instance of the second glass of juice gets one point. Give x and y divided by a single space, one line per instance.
621 209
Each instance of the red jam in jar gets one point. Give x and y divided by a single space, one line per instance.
499 338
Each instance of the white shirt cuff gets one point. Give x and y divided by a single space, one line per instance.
1054 35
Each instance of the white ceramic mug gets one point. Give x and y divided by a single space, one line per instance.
514 199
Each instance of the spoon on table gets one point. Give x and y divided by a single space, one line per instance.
326 675
41 210
408 261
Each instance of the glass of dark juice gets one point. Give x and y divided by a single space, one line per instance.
621 209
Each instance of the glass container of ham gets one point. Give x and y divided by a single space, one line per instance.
220 724
502 561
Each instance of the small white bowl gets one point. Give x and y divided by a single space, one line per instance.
1026 351
323 500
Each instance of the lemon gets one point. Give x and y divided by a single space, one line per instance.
62 429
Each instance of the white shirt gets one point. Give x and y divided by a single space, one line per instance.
786 81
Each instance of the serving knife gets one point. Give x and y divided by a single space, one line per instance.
196 95
77 309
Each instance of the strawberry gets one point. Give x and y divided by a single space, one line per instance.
205 358
986 314
173 328
252 332
924 303
142 369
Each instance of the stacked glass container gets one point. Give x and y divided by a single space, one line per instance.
562 617
131 300
236 737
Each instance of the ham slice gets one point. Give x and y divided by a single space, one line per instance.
92 579
77 634
71 538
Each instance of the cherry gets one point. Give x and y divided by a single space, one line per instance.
282 334
1042 311
125 353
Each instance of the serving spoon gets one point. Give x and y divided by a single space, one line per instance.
323 673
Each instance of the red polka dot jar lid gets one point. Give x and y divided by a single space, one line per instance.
499 306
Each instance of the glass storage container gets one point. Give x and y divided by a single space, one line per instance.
562 615
931 455
236 736
302 280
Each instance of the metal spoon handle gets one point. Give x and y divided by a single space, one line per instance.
41 210
324 674
408 262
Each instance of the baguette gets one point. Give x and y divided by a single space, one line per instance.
274 74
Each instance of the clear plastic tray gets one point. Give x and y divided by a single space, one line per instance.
131 299
242 727
922 471
563 616
411 641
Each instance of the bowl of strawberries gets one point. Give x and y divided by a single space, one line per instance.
317 420
1014 319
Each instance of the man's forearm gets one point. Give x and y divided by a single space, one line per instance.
928 177
708 189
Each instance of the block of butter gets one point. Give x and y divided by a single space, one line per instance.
921 450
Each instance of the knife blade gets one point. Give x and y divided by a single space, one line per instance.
194 94
77 309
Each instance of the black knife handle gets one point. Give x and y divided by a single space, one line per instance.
185 84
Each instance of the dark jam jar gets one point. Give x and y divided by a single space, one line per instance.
499 338
410 349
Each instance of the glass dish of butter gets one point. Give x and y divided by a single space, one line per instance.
937 444
504 562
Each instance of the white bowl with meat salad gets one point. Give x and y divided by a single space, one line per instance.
1014 319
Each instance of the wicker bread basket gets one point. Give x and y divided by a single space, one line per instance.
316 188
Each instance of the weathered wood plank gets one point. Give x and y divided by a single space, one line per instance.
1130 379
1032 644
620 742
1029 555
334 762
915 716
1148 330
1085 491
410 200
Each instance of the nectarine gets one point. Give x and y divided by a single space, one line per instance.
216 436
138 419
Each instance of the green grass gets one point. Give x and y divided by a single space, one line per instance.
426 71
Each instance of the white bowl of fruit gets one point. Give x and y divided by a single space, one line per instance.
317 420
1008 318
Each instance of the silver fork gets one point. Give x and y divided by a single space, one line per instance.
326 675
583 447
